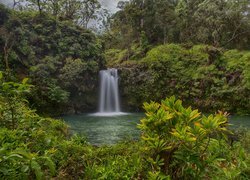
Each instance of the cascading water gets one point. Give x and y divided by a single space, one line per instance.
109 95
109 102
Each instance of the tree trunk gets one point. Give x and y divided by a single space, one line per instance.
6 56
164 35
39 6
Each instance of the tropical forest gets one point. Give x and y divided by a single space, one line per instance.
120 90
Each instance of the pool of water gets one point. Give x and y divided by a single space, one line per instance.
239 121
105 129
109 130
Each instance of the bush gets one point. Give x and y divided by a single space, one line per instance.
184 144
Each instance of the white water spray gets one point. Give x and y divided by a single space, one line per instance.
109 102
109 95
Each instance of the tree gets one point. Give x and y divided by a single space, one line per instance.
6 38
78 11
220 23
36 4
54 7
211 21
88 11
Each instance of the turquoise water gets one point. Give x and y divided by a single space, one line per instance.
110 130
105 130
240 121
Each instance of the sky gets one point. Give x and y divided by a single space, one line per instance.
108 4
7 2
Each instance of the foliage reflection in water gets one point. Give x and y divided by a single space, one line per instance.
101 130
107 130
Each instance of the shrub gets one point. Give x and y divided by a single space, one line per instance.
184 144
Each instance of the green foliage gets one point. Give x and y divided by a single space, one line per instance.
114 55
222 23
177 142
171 53
61 59
79 12
23 145
40 148
184 144
11 103
20 164
121 161
203 76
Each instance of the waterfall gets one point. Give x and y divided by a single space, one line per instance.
109 102
109 92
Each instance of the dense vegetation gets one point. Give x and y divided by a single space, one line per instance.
48 44
221 23
203 76
61 59
196 50
176 143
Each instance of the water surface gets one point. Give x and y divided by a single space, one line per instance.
112 129
105 129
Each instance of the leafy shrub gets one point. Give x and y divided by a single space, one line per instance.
25 137
22 164
184 144
124 160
